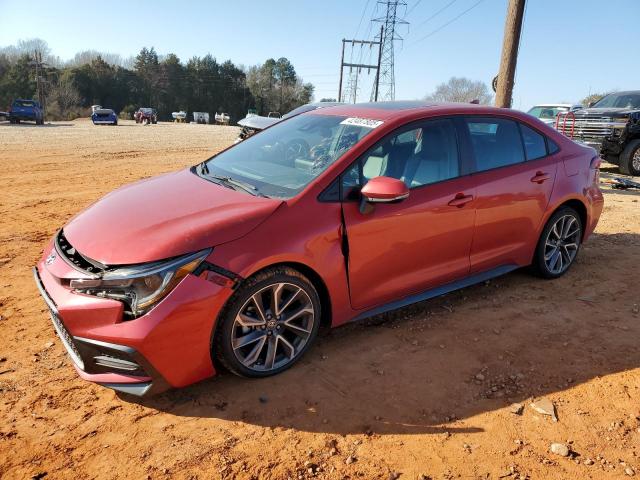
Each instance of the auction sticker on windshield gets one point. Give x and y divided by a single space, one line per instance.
361 122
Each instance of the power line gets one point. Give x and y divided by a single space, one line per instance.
437 13
449 22
361 18
413 8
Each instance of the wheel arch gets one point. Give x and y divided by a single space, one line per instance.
574 203
314 277
579 207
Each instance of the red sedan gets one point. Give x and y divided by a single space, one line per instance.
327 217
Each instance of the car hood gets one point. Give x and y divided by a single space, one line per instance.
164 216
605 112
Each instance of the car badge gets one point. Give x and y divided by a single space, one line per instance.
51 258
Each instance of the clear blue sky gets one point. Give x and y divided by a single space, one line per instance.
568 48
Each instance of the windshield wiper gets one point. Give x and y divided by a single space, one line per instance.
247 187
231 182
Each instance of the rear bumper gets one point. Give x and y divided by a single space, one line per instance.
595 205
23 116
170 346
104 122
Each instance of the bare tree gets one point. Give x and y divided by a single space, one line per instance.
87 56
64 99
462 90
592 98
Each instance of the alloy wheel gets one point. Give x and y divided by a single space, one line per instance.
635 161
561 244
272 327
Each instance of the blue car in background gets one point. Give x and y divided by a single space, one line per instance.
104 116
22 109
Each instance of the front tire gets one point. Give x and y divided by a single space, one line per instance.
630 159
268 324
559 244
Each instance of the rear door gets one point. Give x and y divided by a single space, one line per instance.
514 177
423 241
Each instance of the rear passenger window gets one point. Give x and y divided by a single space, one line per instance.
534 145
496 142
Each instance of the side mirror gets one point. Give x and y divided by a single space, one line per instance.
591 104
382 190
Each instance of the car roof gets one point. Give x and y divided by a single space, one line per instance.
624 92
398 109
555 105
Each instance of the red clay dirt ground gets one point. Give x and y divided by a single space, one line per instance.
428 393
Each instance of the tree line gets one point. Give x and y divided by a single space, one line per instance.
163 82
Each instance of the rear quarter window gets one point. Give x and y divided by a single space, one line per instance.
534 144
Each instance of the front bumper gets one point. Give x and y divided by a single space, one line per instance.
170 346
104 122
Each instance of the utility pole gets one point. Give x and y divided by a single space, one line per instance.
377 85
37 62
359 66
509 59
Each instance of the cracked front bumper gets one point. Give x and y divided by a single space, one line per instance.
170 346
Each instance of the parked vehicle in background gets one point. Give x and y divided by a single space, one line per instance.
610 125
547 112
222 118
214 266
179 117
22 109
253 123
201 117
104 116
146 115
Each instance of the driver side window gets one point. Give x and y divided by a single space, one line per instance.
419 155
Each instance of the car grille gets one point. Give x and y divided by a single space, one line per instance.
73 257
586 127
61 330
67 341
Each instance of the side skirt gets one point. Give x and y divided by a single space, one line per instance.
437 291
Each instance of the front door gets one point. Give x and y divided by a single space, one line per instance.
404 248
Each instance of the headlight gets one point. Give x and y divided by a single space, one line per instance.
142 286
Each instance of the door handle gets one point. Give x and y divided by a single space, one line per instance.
460 200
540 177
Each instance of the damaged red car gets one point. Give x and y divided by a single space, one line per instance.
327 217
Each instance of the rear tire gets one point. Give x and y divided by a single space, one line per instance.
559 244
630 159
268 324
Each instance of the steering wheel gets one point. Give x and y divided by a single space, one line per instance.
296 148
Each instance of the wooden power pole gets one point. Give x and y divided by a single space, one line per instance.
509 59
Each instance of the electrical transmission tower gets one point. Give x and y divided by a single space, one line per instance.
387 80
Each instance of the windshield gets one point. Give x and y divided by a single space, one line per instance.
282 160
619 100
24 103
547 112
